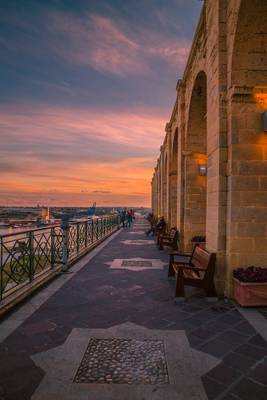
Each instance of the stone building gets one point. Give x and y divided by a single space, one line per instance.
211 174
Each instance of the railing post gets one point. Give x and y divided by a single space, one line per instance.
65 239
78 238
31 255
102 229
85 232
53 250
1 272
97 229
92 230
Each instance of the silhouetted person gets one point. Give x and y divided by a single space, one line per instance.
123 217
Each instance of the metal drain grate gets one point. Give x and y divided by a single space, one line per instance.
123 361
133 263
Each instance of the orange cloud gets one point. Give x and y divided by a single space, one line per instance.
140 128
78 155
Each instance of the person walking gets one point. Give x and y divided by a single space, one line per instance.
129 219
123 217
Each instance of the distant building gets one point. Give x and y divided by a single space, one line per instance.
45 214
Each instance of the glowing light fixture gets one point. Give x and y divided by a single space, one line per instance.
202 169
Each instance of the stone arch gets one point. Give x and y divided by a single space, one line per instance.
173 180
160 187
165 186
249 56
195 160
157 192
247 142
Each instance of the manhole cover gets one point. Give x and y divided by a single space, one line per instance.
133 263
123 361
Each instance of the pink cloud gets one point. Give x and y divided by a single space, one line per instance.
107 45
140 128
47 150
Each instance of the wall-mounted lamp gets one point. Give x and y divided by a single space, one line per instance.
264 120
202 169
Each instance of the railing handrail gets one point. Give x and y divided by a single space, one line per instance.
28 254
29 230
49 226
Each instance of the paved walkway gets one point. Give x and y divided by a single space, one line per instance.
110 329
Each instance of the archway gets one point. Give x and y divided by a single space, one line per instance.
195 163
159 189
173 181
250 45
165 187
247 152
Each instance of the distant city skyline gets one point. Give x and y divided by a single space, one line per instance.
86 90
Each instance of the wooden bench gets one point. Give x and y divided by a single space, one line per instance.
199 272
179 257
170 239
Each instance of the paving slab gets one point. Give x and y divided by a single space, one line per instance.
115 311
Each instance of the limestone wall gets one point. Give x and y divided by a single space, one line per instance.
217 120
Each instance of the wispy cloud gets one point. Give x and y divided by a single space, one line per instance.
28 128
101 154
107 45
102 191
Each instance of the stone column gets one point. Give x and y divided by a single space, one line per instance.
247 181
195 197
173 198
216 18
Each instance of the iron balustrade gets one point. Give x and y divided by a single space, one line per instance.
27 255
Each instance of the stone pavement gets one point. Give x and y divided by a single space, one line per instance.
110 328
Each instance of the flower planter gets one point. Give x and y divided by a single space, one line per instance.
249 294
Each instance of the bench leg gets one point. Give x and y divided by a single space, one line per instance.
160 243
175 246
171 270
179 290
211 290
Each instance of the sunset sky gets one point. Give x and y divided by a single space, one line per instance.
86 89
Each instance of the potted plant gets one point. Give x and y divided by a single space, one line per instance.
250 286
199 240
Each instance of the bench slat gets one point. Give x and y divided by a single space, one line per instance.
198 272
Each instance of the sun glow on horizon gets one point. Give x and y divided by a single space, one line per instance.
77 156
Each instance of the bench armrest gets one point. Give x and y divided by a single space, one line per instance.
186 266
180 254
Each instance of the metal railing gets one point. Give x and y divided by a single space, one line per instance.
25 256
